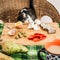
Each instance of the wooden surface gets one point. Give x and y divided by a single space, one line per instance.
25 41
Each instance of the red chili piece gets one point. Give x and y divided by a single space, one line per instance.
37 37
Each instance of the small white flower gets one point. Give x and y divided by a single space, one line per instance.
37 21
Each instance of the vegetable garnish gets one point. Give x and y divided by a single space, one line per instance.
20 35
10 47
37 37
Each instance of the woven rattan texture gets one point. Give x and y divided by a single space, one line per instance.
9 9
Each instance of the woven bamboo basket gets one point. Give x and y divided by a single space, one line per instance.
39 5
43 7
51 11
9 9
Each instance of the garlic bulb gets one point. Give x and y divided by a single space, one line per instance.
12 32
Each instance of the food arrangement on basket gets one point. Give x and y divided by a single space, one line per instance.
27 30
17 31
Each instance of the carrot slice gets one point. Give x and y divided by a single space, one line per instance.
36 39
31 37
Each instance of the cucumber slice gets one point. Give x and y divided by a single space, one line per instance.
18 59
17 37
0 31
1 25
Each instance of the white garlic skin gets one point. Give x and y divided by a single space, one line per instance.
12 32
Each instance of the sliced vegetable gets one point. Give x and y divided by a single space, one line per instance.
31 37
24 35
11 48
16 37
0 31
19 25
37 37
20 35
37 34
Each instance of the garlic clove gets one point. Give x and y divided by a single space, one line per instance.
12 32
